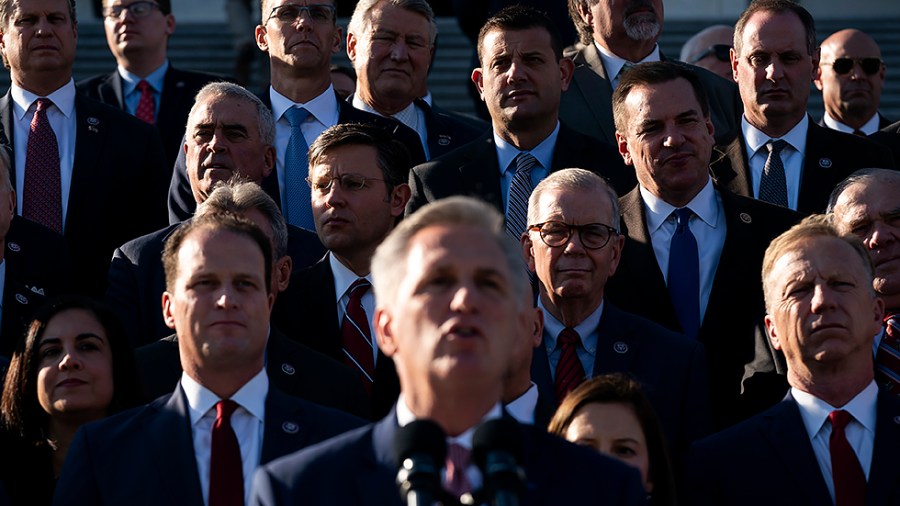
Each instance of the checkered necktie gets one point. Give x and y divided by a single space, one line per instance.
299 207
772 184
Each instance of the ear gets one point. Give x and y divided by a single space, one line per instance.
399 197
262 41
622 143
336 42
268 159
527 250
816 57
477 77
283 268
735 59
772 333
537 332
384 332
567 70
351 47
170 24
12 202
168 316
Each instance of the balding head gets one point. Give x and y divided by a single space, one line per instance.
709 49
851 76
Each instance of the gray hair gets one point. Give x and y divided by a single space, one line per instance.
569 180
359 21
867 176
236 92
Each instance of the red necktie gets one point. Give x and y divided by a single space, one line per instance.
887 358
569 371
42 195
356 337
849 478
146 108
458 460
226 474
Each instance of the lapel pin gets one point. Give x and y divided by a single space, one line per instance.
21 299
825 162
897 420
746 218
179 84
620 347
444 140
37 290
288 369
92 124
290 427
14 246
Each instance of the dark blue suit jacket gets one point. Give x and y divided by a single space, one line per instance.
670 367
448 130
360 468
145 456
769 460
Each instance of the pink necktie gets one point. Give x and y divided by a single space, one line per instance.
42 194
146 108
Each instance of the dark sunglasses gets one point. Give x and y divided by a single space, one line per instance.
842 66
721 51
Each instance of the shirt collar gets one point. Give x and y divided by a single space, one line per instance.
63 98
251 396
324 108
405 416
522 407
704 205
343 277
407 115
506 152
155 79
757 140
814 411
869 128
552 326
613 63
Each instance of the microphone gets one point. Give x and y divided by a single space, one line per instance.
497 449
421 449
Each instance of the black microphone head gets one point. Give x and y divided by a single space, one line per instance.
498 435
421 437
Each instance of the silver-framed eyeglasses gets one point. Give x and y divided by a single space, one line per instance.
350 182
139 10
556 233
290 13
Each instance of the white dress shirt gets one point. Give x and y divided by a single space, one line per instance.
587 331
613 63
63 122
791 156
411 116
343 278
869 128
323 113
522 407
860 430
708 226
247 422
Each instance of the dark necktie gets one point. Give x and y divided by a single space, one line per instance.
356 337
887 358
226 473
773 184
458 459
569 371
42 194
849 478
146 108
519 191
299 209
684 274
859 132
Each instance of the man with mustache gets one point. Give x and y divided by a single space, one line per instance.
615 35
782 156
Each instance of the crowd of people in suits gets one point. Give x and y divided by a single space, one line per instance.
214 297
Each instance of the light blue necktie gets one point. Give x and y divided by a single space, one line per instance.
297 197
684 274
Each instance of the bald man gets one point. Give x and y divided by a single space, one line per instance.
851 77
709 48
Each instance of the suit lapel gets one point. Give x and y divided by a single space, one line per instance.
110 90
596 87
284 428
616 348
170 446
480 173
818 174
731 169
90 136
884 475
738 234
6 121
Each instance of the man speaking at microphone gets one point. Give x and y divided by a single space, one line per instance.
450 295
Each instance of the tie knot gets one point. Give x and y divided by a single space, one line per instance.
43 104
839 419
525 162
144 86
569 337
682 217
776 146
358 288
225 408
296 116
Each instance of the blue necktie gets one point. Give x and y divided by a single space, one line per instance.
297 199
519 192
684 274
773 183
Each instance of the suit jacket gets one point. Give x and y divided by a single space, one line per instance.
670 367
313 304
181 199
118 186
473 169
830 157
145 456
292 367
448 130
137 280
38 267
360 468
769 460
175 101
735 302
882 122
587 105
889 136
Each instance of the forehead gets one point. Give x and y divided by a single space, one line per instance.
503 42
38 6
816 256
775 32
349 158
393 17
71 322
575 206
455 247
867 198
662 100
225 109
855 45
208 250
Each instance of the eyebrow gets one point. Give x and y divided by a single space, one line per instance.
80 337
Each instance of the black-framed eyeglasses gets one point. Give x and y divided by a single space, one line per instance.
137 9
557 233
870 66
349 182
290 13
721 52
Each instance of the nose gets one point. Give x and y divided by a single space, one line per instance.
882 234
70 361
822 298
673 136
463 299
227 297
515 73
216 143
775 70
574 246
335 196
399 50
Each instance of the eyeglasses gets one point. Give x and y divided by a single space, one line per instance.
557 233
349 182
290 13
721 51
842 66
136 9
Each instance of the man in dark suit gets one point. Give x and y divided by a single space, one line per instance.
358 176
450 292
231 133
615 36
707 290
300 46
97 174
145 84
391 81
521 77
782 156
585 333
218 298
833 438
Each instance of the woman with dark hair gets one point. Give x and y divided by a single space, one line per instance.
74 366
611 414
